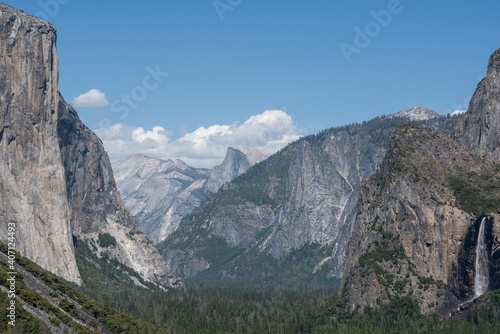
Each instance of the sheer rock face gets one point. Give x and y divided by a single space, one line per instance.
410 234
55 177
32 178
95 203
92 195
481 128
323 186
236 162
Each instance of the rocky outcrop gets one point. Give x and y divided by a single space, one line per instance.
236 162
159 193
56 178
418 114
481 128
417 222
493 240
91 190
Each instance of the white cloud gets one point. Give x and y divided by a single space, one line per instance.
204 147
122 140
93 98
157 135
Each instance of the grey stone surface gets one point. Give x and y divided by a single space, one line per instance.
481 128
409 206
418 114
236 162
32 178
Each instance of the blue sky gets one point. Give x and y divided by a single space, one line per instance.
263 55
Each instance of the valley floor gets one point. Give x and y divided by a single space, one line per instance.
234 310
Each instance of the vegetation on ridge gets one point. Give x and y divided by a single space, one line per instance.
60 304
477 194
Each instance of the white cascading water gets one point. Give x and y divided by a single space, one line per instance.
481 276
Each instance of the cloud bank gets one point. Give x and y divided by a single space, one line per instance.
93 98
204 147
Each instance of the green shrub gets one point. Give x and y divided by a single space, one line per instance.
55 322
477 194
400 307
106 240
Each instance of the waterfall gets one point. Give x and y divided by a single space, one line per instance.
481 276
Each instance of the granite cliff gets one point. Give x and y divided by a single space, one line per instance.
56 180
416 226
418 223
237 161
481 128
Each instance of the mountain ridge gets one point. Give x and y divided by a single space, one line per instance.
160 192
301 201
418 114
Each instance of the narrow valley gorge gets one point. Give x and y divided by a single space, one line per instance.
390 225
